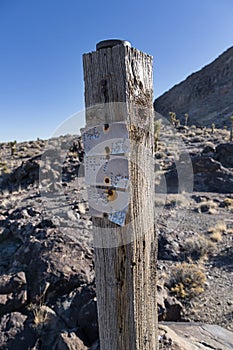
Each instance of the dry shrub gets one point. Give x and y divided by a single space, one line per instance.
4 168
228 203
208 207
187 280
217 231
180 200
198 247
41 316
216 237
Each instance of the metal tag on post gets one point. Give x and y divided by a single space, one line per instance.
106 170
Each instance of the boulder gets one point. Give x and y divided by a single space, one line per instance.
87 321
23 176
70 341
209 176
13 292
209 149
173 309
204 164
56 261
16 332
169 308
10 325
193 336
224 154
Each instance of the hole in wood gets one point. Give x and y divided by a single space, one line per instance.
107 180
111 195
103 82
106 127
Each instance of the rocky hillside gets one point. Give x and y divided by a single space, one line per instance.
207 95
47 285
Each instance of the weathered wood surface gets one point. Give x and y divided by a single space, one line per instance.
118 87
196 336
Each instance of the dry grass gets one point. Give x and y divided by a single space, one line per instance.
216 232
216 236
41 313
220 228
41 316
198 247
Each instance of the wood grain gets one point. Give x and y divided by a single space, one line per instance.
118 87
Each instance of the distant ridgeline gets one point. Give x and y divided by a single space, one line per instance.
207 95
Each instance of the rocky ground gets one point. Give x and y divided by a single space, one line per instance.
47 290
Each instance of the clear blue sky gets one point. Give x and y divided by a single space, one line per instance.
42 42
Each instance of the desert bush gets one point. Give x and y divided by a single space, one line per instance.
187 280
172 116
4 168
198 247
228 203
12 145
207 206
217 230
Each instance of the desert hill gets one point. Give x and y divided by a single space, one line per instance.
207 95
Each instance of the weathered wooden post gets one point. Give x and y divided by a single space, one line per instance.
119 142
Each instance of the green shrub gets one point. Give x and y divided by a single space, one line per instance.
12 146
